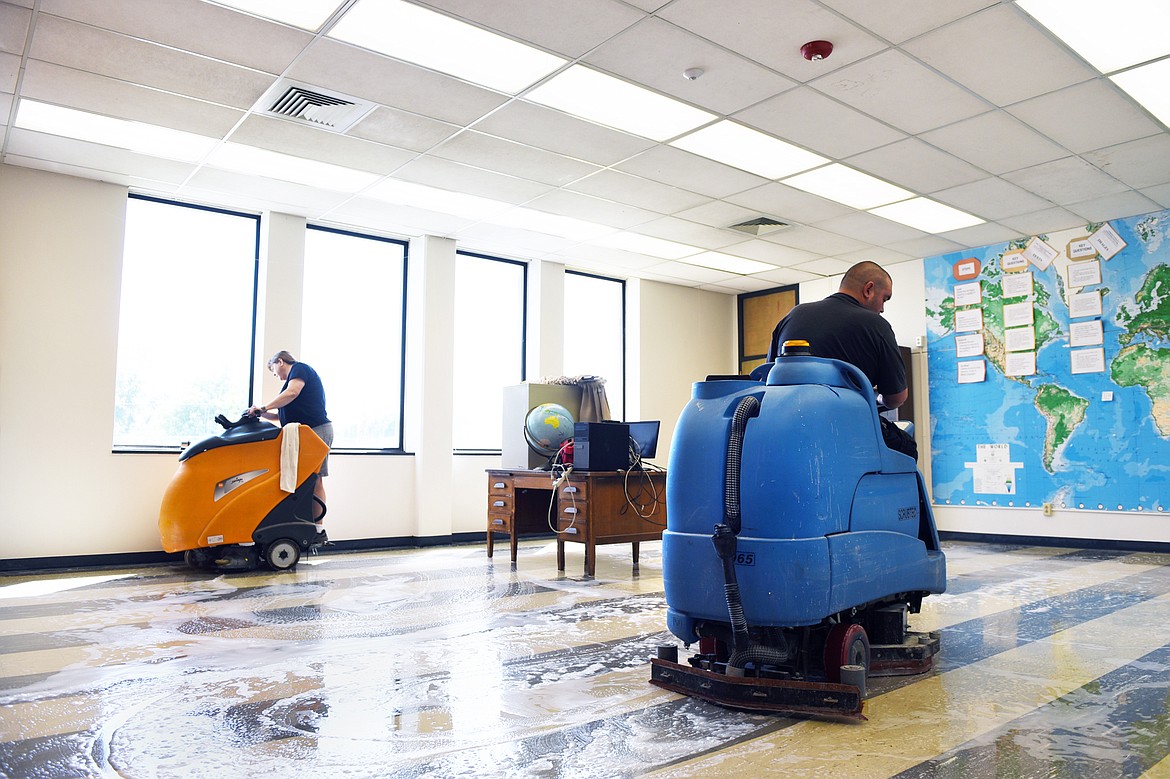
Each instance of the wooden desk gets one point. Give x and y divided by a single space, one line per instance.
588 507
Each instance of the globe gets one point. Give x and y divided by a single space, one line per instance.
547 427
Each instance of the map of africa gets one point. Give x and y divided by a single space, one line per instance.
1049 362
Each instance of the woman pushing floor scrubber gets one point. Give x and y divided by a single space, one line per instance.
253 493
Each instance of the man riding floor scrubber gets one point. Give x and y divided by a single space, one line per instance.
796 543
245 497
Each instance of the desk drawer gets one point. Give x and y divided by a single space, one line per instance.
572 490
499 523
500 485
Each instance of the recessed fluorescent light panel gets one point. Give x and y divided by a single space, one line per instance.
603 99
648 244
1111 36
407 193
1148 86
285 167
845 185
306 14
409 32
926 215
120 133
748 149
727 262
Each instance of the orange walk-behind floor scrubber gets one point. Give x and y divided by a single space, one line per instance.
229 507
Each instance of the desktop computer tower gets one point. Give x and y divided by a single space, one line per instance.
601 446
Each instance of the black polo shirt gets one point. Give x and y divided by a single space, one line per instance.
840 328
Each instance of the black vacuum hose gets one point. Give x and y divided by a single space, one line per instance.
727 532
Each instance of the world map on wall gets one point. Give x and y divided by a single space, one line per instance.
1049 364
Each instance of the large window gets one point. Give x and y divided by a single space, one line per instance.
489 346
595 326
185 329
352 333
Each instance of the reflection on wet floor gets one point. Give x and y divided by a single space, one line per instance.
442 663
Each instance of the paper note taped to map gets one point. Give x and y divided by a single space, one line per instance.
993 471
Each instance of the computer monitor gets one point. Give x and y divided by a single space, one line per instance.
645 438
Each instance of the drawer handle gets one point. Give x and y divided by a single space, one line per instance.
571 510
499 485
498 503
497 521
569 490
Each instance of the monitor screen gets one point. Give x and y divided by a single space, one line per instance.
645 435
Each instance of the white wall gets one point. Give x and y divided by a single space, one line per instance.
64 493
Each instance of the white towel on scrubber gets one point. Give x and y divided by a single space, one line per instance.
290 455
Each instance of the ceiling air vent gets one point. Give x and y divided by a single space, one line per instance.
761 225
312 105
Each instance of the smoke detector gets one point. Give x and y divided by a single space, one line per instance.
815 51
322 108
761 225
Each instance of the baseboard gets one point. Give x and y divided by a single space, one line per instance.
1107 544
131 559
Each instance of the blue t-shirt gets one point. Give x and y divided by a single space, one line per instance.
308 408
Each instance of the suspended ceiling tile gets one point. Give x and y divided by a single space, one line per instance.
1114 206
397 217
284 196
996 142
788 204
772 33
568 27
491 153
9 73
825 266
786 276
141 62
773 253
634 190
656 53
191 25
334 65
670 228
900 20
718 213
741 284
983 234
591 209
901 92
1047 221
1140 163
678 168
698 274
402 129
1067 180
991 198
869 228
59 85
929 246
1087 116
514 240
607 255
288 137
95 159
815 240
808 118
1160 194
547 128
916 165
878 254
1000 55
435 172
14 22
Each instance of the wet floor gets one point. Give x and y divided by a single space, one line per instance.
443 663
